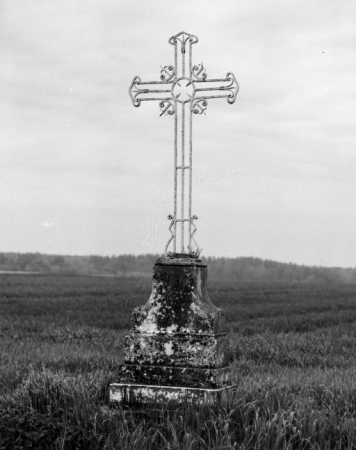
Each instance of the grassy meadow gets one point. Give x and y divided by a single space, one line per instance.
61 340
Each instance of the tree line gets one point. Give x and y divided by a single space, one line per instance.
221 269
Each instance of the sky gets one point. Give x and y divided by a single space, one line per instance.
84 172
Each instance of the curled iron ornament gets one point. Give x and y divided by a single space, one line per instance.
199 105
167 73
134 91
172 236
167 107
199 72
195 252
233 87
183 37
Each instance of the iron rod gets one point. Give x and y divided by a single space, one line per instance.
182 177
153 98
175 154
190 58
213 80
153 91
142 83
190 157
190 174
213 96
183 60
221 88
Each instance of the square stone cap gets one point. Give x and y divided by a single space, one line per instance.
179 259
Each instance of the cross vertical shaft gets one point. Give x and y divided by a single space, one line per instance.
184 214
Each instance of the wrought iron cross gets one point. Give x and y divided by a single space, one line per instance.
184 90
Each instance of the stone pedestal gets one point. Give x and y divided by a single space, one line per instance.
177 349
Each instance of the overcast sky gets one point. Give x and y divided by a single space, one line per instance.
84 172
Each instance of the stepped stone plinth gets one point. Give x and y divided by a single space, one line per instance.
177 349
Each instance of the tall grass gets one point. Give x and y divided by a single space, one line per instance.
61 340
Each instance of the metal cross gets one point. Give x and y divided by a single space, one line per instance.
184 90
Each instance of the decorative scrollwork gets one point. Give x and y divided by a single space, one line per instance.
195 252
167 107
183 37
199 72
134 91
233 87
167 73
199 105
171 218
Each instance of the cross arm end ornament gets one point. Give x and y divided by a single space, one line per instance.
233 88
150 90
134 91
218 88
183 37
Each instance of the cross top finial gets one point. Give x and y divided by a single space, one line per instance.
184 88
183 37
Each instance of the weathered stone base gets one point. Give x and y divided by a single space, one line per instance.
207 378
140 394
177 350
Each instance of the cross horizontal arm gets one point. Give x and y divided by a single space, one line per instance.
149 90
218 88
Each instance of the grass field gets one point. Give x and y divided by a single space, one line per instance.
61 339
